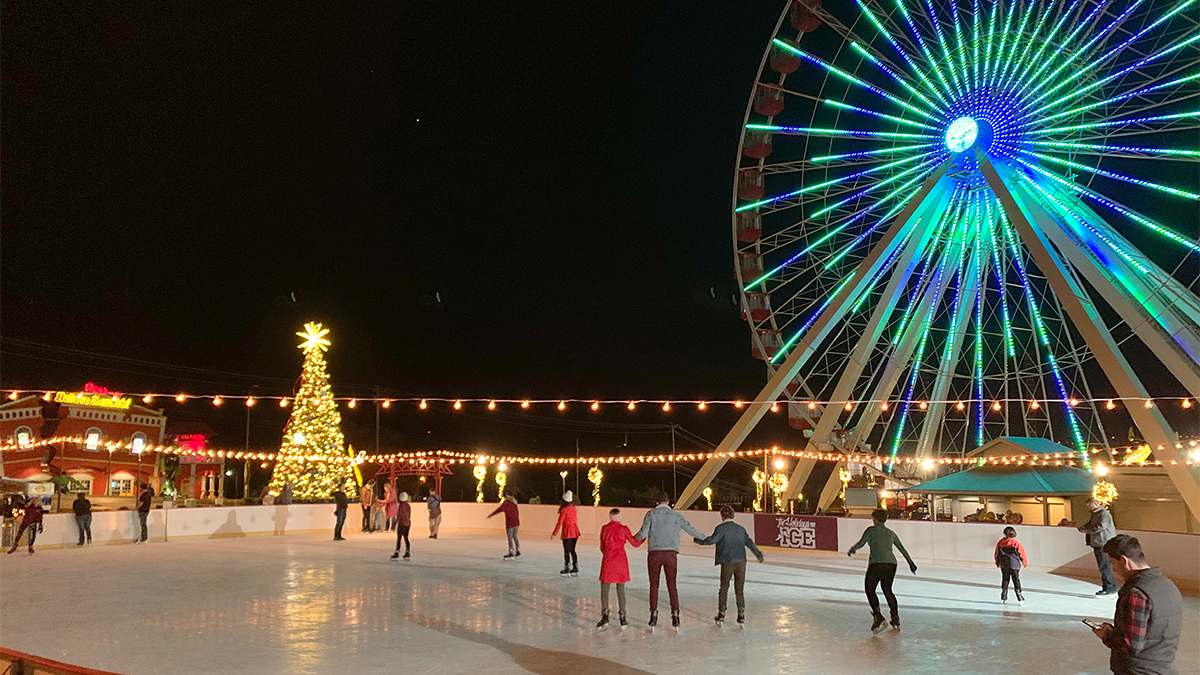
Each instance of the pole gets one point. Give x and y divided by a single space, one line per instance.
766 487
674 477
246 461
576 465
377 420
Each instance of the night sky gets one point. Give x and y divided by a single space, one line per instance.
480 199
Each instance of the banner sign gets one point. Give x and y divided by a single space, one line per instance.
814 533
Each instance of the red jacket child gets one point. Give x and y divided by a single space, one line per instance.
568 522
509 508
614 567
1011 554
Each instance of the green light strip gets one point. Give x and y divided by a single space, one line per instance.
937 72
901 81
1026 14
873 153
1166 152
824 184
948 217
825 131
787 345
1115 176
1079 25
883 183
1004 33
1123 95
903 55
873 113
1115 123
1023 75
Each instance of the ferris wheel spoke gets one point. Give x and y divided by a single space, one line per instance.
1113 175
916 70
900 80
1022 45
1139 92
878 115
1143 120
956 77
1034 57
853 79
1080 25
1125 151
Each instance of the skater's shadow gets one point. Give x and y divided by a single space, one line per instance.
533 659
1065 618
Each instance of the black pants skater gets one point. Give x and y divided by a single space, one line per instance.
882 574
33 532
570 557
402 535
1014 575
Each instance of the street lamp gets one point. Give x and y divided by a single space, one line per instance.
563 476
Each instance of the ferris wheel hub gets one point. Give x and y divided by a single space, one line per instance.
961 134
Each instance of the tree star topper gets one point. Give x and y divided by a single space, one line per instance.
314 337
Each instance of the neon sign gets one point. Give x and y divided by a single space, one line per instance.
94 396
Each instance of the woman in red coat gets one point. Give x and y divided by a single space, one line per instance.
614 567
568 524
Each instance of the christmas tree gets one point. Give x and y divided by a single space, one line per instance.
312 458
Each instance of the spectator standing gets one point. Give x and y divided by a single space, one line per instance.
83 517
367 498
1097 531
340 504
434 505
32 521
390 505
1144 635
143 511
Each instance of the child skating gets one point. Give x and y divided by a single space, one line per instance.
568 524
1010 558
403 525
614 565
731 541
882 568
512 522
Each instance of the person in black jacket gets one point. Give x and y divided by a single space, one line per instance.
340 504
83 517
31 520
143 511
731 540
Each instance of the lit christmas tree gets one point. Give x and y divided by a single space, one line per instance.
312 458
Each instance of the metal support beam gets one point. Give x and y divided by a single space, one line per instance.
1023 212
835 311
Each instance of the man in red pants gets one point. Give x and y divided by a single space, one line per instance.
661 527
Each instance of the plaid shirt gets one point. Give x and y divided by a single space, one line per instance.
1131 620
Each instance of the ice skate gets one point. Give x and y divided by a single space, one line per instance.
653 620
621 620
407 555
878 625
1004 597
603 623
720 618
675 621
565 572
395 554
1020 599
741 620
509 556
574 571
895 623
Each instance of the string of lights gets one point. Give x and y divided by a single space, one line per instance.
595 405
1133 455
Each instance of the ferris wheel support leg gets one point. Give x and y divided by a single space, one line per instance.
1023 213
905 265
833 314
1136 300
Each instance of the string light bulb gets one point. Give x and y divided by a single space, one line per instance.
849 406
1072 401
423 405
1110 405
631 405
775 407
960 406
387 403
996 406
250 401
525 404
562 406
666 406
739 404
884 406
491 405
1034 405
352 403
1186 403
812 405
702 406
148 399
457 404
14 395
47 396
283 402
1149 404
218 401
924 405
180 397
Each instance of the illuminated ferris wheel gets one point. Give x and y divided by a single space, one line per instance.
958 219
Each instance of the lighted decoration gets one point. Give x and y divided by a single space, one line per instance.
708 496
480 474
778 483
1104 492
312 456
844 476
595 476
760 478
1138 455
501 479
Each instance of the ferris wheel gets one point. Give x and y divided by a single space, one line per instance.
955 220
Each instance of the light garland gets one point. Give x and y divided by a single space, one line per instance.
708 496
1104 492
760 478
480 474
778 482
501 479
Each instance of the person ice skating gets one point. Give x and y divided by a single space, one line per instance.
367 498
661 527
391 506
614 565
82 507
32 521
512 521
1144 635
434 506
731 541
568 524
340 504
403 525
1098 530
378 508
1010 558
143 511
881 569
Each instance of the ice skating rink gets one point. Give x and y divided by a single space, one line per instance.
303 604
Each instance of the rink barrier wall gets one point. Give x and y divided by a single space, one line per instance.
1059 550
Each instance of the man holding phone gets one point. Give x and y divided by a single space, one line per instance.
1145 631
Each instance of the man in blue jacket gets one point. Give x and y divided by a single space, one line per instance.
731 540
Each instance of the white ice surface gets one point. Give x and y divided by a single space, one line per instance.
300 604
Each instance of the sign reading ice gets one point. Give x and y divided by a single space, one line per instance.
814 533
796 533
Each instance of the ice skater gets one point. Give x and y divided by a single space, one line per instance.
568 524
731 540
32 521
881 569
512 522
391 507
1010 558
434 505
661 526
403 525
614 565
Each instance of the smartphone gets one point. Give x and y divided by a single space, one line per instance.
1091 623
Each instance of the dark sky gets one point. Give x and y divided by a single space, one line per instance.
558 174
